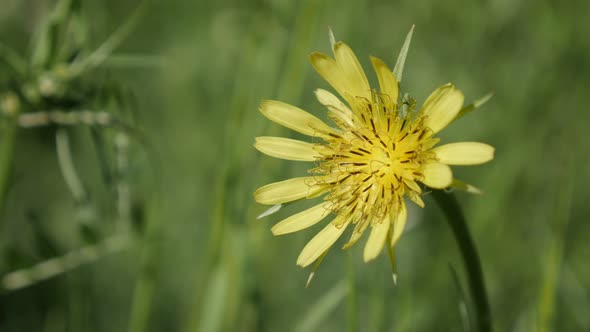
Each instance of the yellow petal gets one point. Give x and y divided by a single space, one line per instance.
415 197
336 107
464 153
286 191
376 240
412 185
349 64
399 224
387 82
441 107
286 148
293 118
329 70
437 175
328 99
321 242
358 231
301 220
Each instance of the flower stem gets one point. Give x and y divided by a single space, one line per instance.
452 211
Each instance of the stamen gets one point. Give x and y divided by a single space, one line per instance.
403 124
357 135
365 151
421 134
335 136
344 178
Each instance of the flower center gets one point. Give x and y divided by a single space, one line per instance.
372 165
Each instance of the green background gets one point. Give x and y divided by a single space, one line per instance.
200 261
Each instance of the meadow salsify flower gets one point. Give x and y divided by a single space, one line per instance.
379 152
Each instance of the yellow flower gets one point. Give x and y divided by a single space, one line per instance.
379 152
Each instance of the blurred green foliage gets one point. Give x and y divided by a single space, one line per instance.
202 262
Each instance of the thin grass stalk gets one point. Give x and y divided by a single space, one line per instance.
322 309
66 165
475 279
291 81
351 300
59 265
7 143
145 285
146 282
217 232
217 235
291 85
561 217
123 188
142 302
376 306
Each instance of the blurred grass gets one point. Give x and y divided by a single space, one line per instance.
216 61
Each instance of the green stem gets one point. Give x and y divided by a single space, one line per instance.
451 209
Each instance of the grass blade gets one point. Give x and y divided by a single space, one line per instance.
311 321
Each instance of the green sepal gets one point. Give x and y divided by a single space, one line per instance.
475 105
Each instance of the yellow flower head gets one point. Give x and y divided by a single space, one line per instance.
379 152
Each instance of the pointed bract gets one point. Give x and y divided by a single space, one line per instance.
398 70
321 242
